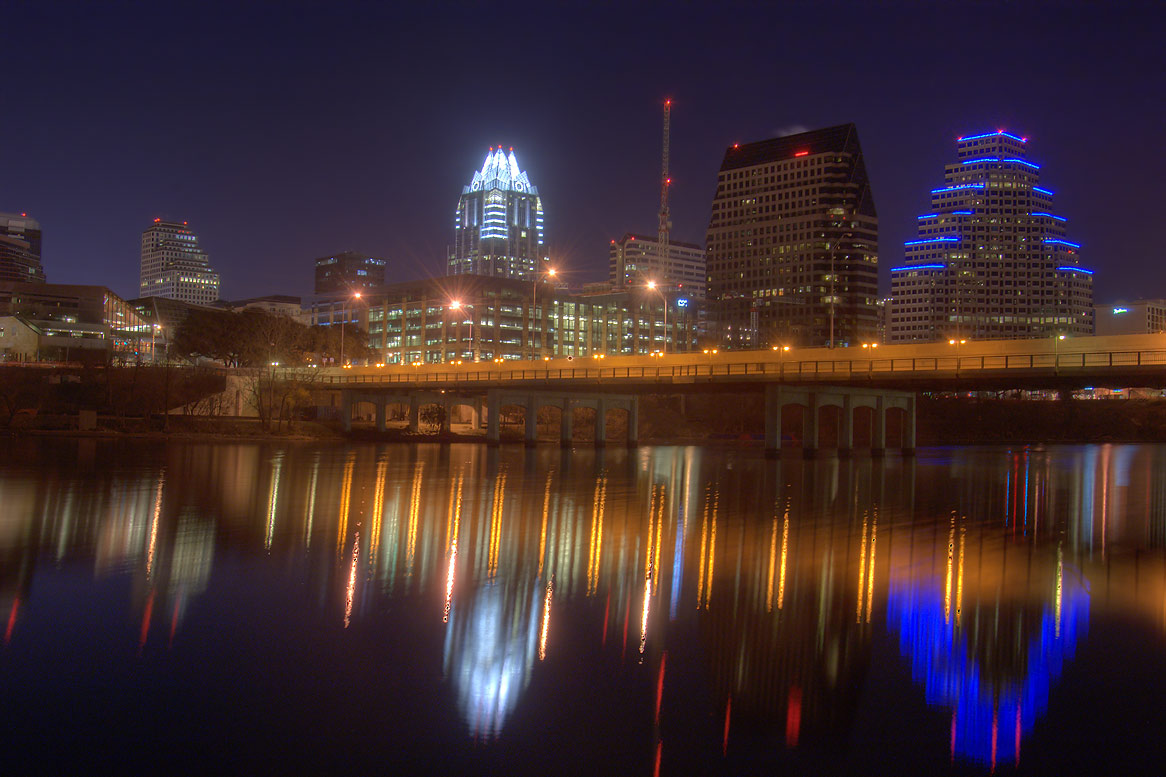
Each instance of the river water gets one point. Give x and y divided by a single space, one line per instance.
196 608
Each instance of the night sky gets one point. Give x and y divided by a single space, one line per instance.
286 131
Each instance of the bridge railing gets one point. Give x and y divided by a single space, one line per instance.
793 370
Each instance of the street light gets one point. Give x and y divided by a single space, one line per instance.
1057 353
664 301
550 273
458 305
343 317
957 343
154 331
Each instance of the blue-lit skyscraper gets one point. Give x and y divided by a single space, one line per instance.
991 260
499 229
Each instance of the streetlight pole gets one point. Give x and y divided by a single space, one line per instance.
343 318
551 273
664 301
833 246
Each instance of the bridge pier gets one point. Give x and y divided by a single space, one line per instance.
847 400
531 431
773 407
493 407
909 428
346 411
566 426
600 423
878 428
846 427
414 412
447 414
810 427
633 422
380 405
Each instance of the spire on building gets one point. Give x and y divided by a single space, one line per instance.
499 229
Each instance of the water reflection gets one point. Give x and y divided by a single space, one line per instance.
982 566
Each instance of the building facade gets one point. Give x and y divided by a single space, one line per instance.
1140 317
20 249
476 318
499 229
173 266
792 244
347 273
634 260
991 259
67 320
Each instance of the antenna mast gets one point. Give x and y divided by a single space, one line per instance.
665 181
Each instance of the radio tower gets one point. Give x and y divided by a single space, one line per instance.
665 181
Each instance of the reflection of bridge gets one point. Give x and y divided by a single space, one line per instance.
847 378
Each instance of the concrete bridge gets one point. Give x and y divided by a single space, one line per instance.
880 378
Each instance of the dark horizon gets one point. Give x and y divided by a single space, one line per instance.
287 132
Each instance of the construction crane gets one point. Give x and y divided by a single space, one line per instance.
665 214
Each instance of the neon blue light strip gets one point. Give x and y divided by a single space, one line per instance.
1023 162
992 135
954 188
932 240
920 267
939 215
1081 270
1042 191
1060 242
1049 215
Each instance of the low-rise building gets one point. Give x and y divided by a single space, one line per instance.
1140 317
636 260
69 319
478 318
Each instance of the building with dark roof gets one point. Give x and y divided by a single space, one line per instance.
792 247
348 272
20 249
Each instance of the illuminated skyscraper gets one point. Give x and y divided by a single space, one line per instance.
174 267
20 239
499 225
991 260
793 243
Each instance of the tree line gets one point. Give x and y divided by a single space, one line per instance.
256 338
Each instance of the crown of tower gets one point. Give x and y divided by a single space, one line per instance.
500 171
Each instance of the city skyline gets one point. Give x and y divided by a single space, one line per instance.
85 165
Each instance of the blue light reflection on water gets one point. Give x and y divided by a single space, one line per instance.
991 714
